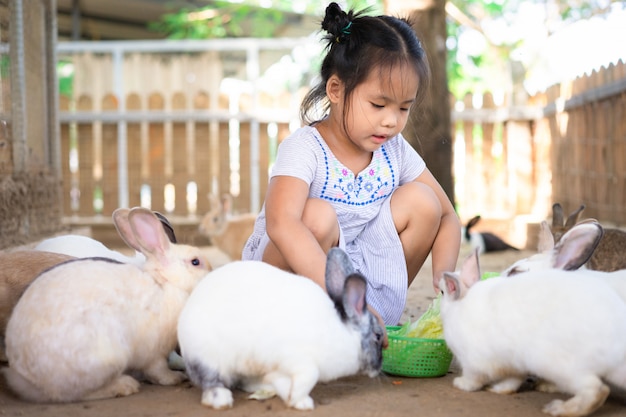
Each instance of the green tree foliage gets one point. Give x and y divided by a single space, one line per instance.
492 59
220 20
225 19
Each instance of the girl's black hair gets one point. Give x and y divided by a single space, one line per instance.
357 43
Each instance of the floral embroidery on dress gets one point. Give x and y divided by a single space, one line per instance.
373 183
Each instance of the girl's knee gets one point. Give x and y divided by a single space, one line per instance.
320 218
417 200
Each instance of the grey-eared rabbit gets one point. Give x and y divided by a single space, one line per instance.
256 327
563 327
610 255
82 326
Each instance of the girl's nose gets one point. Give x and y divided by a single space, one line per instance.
390 119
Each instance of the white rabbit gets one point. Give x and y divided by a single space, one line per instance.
17 270
85 247
571 252
82 325
560 326
254 326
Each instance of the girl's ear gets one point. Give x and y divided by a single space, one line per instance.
334 89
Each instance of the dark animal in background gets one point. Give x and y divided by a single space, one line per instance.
484 241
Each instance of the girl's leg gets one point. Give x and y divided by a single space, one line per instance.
321 219
416 213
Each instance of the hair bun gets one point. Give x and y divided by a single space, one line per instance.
336 21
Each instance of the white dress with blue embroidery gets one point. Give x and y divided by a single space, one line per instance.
362 205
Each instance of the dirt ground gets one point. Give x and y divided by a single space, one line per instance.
357 396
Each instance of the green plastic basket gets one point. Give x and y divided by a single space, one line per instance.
415 357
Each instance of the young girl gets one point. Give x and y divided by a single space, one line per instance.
351 179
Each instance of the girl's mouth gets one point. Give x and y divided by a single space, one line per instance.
379 139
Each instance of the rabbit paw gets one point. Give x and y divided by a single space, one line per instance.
123 386
582 404
506 386
217 397
159 373
166 377
467 384
305 403
546 386
262 394
555 408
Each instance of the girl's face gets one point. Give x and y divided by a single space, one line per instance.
379 107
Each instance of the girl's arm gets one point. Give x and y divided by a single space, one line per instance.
284 206
447 244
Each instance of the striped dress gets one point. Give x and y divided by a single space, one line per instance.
362 205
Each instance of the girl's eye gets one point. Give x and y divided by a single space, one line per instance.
378 106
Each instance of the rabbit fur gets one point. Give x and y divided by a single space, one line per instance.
73 339
17 270
501 330
251 325
610 255
571 252
227 231
85 247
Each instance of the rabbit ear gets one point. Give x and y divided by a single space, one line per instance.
338 267
452 285
148 232
557 215
120 220
354 304
167 226
472 222
577 245
470 270
572 219
227 204
546 239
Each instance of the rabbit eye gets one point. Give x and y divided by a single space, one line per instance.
195 261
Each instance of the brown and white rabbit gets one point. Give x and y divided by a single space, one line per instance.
251 325
81 326
17 270
610 255
562 327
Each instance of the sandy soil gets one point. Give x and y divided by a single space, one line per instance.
358 396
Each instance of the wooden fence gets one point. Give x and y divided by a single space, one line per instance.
172 165
511 162
156 124
567 145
